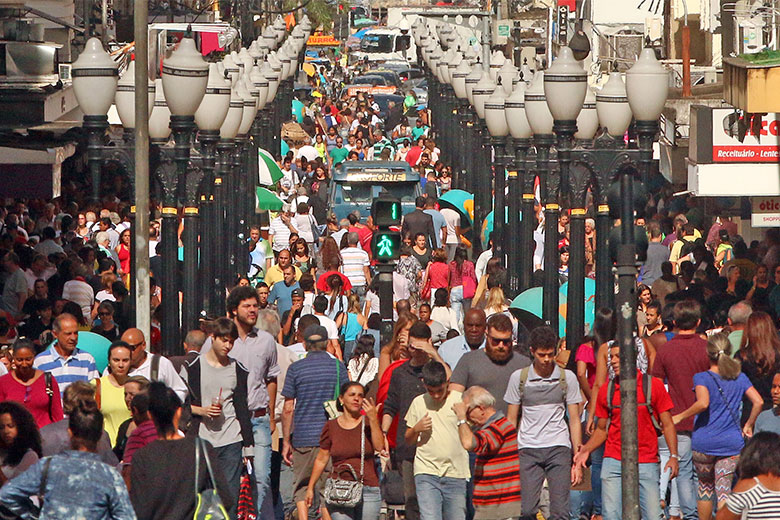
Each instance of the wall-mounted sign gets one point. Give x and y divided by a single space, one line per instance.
723 135
766 211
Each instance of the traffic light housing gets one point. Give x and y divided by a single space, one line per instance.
386 245
386 212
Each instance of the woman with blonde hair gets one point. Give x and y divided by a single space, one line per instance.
717 437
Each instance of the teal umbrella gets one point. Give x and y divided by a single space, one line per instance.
461 201
96 345
267 200
528 305
487 228
297 110
269 172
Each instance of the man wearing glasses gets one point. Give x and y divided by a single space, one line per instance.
153 367
492 366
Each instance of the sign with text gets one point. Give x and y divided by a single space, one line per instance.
735 139
766 211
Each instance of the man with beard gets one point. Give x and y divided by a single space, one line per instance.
276 272
492 366
473 338
256 351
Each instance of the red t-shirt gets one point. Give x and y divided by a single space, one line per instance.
676 362
648 442
439 275
365 234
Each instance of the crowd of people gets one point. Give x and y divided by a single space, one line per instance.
292 406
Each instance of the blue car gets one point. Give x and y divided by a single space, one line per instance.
357 183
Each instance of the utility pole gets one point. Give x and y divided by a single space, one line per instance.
141 229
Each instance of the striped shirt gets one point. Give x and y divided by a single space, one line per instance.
354 260
312 381
80 366
497 469
758 502
280 233
144 434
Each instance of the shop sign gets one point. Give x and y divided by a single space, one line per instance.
766 211
760 141
322 40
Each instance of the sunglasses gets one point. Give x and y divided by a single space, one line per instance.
496 341
135 347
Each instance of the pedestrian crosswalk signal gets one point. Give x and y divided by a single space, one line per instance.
386 212
386 246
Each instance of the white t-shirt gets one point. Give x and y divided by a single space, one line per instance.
330 326
452 218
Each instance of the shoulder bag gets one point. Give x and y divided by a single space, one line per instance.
347 493
734 416
208 505
330 406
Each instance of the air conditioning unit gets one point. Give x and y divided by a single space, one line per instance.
623 46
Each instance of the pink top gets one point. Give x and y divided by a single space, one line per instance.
586 355
33 397
467 269
438 274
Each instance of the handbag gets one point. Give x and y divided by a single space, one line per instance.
330 406
347 493
426 290
208 505
246 504
469 287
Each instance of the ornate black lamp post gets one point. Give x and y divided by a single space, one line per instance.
565 87
495 119
483 199
198 206
519 257
184 80
95 77
541 121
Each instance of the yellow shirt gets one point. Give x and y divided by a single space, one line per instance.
275 274
113 407
439 452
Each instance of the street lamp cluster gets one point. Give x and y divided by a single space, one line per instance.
552 118
228 109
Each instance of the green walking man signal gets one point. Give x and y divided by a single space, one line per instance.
386 245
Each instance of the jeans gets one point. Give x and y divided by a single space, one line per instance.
367 509
596 460
581 504
673 504
261 429
687 483
612 492
554 464
230 462
458 303
441 498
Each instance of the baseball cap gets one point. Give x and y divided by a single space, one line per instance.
297 293
315 333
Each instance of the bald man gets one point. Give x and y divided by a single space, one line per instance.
154 367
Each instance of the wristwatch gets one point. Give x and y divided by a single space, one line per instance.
462 421
675 456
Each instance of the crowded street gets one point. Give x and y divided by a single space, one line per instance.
361 262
